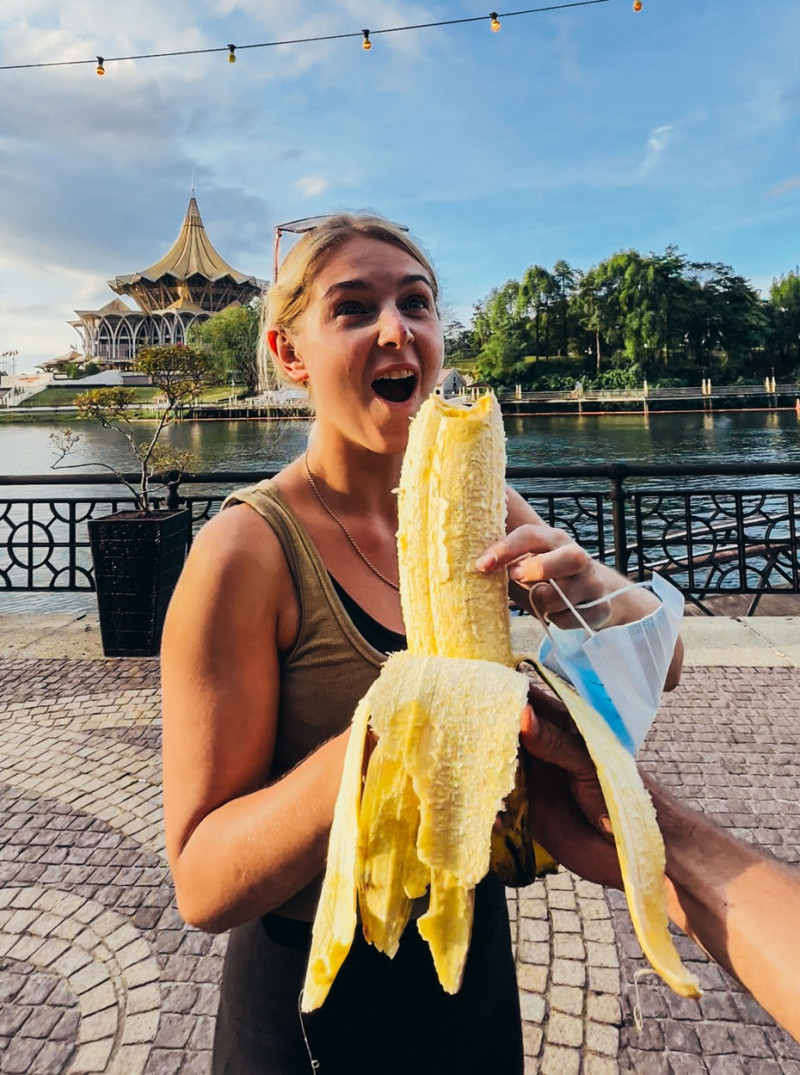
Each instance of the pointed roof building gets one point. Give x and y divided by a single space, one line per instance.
189 284
192 272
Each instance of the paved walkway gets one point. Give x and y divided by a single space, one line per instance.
99 974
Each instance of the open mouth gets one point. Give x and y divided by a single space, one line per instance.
397 386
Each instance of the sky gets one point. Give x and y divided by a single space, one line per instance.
568 134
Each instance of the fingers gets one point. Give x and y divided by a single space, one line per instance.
575 573
526 539
550 604
550 708
555 746
535 554
562 562
565 752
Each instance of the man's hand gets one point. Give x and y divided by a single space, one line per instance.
568 814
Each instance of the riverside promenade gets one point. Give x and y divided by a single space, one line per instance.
99 974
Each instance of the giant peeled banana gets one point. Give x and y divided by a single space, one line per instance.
446 716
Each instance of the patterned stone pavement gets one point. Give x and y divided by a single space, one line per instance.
99 974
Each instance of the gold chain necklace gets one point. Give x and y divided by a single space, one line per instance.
344 529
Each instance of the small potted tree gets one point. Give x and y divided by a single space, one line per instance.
138 554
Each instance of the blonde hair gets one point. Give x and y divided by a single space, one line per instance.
288 296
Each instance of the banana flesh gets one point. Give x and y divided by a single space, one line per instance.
435 781
451 507
446 715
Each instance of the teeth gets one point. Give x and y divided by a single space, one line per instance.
395 375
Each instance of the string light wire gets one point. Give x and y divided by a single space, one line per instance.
306 40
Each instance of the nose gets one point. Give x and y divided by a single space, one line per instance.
393 331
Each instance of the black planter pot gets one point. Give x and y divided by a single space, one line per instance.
137 558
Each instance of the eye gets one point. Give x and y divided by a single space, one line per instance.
417 302
348 308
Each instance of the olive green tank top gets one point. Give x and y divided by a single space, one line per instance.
330 666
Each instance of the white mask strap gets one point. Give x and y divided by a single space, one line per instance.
584 604
608 596
572 607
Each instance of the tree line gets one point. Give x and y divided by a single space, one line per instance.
634 317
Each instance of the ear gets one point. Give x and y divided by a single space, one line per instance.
286 357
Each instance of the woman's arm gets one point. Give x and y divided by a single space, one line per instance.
236 847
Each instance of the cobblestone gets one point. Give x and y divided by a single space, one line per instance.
602 1038
564 1029
604 1009
566 998
99 973
722 731
687 1064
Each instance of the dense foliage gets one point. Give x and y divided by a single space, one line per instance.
658 317
231 339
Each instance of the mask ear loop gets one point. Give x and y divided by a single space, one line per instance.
573 609
538 614
583 605
545 623
646 584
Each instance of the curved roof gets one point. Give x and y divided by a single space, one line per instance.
192 254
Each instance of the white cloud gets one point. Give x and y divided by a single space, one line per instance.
566 50
311 186
657 142
786 187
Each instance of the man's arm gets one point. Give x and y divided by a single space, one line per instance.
739 904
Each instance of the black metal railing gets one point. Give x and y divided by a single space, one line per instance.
710 538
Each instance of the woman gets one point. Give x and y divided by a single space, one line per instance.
285 611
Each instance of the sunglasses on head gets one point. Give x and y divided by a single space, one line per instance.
299 227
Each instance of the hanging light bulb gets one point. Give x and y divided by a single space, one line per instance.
231 54
637 5
366 44
100 68
495 23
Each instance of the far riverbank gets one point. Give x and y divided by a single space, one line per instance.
741 436
675 400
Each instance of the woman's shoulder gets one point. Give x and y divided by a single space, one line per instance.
235 577
237 541
260 496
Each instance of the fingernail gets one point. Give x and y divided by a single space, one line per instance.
516 572
605 823
485 562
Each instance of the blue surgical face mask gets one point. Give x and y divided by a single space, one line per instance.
620 671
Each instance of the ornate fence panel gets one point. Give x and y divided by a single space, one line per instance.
44 543
714 538
712 541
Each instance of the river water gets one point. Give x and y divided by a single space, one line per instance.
730 437
543 440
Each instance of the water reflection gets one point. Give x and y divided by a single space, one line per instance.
745 437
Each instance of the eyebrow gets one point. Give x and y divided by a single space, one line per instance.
363 285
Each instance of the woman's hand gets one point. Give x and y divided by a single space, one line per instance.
535 554
567 811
